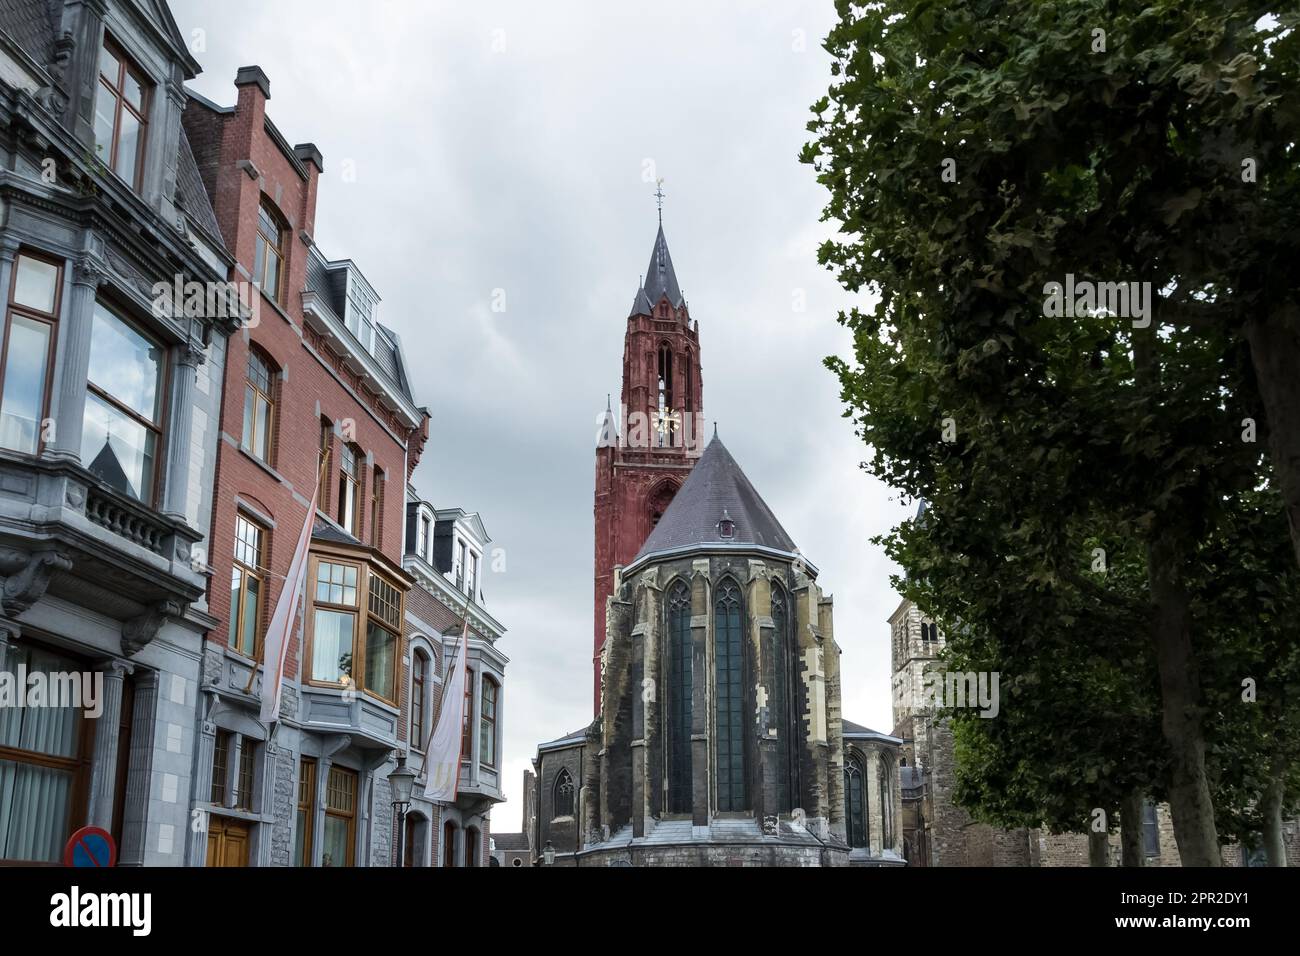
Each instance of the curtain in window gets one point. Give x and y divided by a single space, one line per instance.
35 800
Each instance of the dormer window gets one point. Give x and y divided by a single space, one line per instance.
726 527
121 98
360 318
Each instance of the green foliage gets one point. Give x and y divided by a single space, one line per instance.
1072 433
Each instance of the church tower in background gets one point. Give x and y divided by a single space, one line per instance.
650 443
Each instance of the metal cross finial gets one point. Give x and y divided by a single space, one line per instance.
659 198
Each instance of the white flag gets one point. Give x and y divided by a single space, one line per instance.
275 647
442 763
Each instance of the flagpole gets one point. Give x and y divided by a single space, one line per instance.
464 624
252 676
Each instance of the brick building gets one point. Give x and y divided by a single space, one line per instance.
108 409
314 386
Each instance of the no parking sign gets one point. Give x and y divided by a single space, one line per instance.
90 846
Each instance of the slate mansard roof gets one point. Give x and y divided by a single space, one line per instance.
716 488
31 24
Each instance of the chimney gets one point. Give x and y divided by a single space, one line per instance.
310 157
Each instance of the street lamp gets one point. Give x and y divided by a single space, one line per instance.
548 854
401 781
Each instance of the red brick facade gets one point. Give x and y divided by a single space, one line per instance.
245 163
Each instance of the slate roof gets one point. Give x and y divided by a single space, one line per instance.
191 195
716 487
641 305
331 285
29 23
510 841
577 737
324 531
660 279
850 729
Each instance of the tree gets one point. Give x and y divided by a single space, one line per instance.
976 153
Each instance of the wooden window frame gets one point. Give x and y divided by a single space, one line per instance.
12 308
117 89
266 246
364 612
78 765
237 617
307 769
159 429
377 480
486 721
246 775
349 481
419 700
220 788
467 719
349 816
263 395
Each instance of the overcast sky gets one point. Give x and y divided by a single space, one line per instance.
507 146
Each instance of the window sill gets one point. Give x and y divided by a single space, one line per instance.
248 453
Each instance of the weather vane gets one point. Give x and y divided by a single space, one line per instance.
659 198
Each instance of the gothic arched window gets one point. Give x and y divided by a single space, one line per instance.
680 691
729 714
855 801
886 803
665 393
785 703
563 800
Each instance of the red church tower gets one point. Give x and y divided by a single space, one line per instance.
644 455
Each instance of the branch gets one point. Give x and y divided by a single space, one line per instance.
1120 602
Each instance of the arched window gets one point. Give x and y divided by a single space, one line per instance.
680 698
349 484
785 703
268 261
886 803
449 844
665 393
562 802
419 690
729 713
259 406
657 503
855 802
487 736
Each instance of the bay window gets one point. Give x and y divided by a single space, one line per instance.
121 97
28 336
487 737
343 599
122 426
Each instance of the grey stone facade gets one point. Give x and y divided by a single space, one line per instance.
105 570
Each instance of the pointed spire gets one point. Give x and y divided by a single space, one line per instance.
661 279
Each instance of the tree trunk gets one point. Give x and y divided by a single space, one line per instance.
1189 790
1098 848
1275 353
1270 806
1130 830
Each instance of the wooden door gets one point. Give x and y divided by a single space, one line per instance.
227 842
